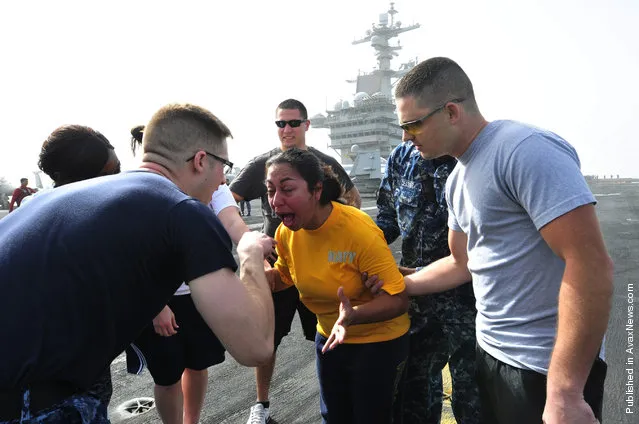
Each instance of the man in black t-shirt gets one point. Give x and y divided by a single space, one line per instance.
80 282
292 123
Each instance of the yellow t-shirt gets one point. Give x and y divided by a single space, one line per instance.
319 261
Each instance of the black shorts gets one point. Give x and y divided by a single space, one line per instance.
286 302
194 346
514 395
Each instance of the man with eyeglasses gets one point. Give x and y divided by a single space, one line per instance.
102 266
522 225
292 124
412 204
178 347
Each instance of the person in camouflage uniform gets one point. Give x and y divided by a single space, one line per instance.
79 408
412 203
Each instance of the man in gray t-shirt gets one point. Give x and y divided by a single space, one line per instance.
522 224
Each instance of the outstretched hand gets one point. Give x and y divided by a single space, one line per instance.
338 334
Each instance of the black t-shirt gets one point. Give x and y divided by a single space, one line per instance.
250 183
88 265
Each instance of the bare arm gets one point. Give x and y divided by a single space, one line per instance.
233 223
240 313
444 274
382 308
274 278
584 306
236 227
353 198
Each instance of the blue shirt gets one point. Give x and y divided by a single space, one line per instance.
412 203
87 266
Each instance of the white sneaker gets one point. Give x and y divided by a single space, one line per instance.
259 414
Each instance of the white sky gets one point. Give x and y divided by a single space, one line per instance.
567 65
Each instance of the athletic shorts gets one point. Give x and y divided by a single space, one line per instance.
194 346
286 302
514 395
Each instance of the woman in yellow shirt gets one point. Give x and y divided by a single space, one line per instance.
324 247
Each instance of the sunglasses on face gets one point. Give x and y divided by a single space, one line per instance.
228 165
293 123
415 127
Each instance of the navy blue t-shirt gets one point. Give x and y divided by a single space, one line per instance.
84 268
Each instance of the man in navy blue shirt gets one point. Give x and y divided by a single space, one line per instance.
87 266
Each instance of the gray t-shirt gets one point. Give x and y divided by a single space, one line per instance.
513 180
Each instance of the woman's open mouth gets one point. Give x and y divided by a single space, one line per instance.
288 219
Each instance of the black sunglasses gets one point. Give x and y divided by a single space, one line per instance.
228 165
415 127
293 123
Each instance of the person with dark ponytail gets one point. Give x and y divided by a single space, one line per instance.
324 247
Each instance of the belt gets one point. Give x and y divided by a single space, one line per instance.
42 395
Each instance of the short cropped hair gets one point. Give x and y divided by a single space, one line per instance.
73 153
177 131
293 104
436 81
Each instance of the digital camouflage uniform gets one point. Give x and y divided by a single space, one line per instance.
89 407
77 409
412 204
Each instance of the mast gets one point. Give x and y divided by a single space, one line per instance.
379 36
364 129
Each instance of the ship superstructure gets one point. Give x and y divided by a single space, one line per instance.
364 130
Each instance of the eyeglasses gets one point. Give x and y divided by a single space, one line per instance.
293 123
228 165
415 127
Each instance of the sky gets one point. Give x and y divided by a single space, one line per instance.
570 66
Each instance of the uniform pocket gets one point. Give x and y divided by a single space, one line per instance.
410 192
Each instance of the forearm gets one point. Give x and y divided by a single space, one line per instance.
439 276
382 308
254 279
353 198
233 223
584 307
275 279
